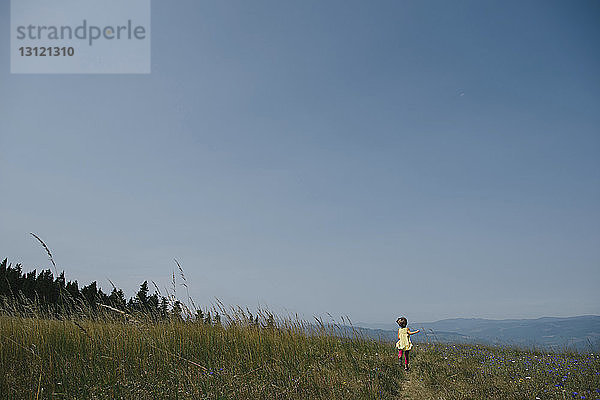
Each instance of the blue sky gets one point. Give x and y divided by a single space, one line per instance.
369 159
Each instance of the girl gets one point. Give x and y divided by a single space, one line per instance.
403 344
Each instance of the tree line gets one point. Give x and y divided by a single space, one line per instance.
57 296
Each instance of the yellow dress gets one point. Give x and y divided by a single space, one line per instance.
403 342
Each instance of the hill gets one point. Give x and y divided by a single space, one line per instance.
581 332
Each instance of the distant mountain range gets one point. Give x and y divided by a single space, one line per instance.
581 333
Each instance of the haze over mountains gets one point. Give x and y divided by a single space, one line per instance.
581 332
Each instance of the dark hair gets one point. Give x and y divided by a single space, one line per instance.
402 322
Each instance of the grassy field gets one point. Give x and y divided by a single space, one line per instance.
117 358
87 359
480 372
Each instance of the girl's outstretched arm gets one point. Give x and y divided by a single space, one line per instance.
413 332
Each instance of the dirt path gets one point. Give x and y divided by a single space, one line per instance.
414 389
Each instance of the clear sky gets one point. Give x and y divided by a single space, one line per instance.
370 159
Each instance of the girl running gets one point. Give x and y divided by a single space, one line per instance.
404 344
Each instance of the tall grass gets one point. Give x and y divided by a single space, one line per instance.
109 357
80 351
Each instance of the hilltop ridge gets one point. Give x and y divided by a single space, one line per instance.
580 332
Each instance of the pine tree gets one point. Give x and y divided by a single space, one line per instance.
90 294
141 298
117 299
177 310
164 307
152 305
72 289
44 288
4 287
28 286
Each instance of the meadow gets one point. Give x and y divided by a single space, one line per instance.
59 342
452 371
111 355
115 357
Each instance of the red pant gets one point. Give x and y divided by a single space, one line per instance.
405 353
